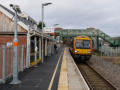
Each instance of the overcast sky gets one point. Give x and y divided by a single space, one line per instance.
80 14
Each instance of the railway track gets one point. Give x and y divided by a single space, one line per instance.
94 80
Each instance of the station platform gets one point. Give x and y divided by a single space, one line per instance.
58 72
70 76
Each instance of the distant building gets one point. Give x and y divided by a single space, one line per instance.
58 28
116 38
56 31
90 28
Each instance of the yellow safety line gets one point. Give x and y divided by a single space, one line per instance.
33 63
51 82
63 79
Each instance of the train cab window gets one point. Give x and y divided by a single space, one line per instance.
79 44
83 44
86 44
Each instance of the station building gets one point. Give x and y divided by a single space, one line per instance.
29 36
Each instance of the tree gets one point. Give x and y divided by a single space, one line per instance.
40 24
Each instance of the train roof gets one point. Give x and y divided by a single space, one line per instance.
82 37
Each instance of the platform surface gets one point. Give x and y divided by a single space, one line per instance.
70 72
39 78
58 72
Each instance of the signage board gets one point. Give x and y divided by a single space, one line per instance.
48 30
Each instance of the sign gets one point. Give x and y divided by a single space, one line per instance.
54 34
9 44
48 30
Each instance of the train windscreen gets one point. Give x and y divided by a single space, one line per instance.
83 44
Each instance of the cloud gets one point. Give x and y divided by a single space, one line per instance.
101 14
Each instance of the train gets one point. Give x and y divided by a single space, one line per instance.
81 48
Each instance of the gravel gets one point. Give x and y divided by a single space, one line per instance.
109 70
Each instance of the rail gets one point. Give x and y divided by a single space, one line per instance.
96 81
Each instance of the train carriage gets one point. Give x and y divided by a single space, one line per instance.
82 48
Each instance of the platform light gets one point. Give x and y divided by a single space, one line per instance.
43 4
16 8
15 46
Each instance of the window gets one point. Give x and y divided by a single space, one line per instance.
79 44
83 44
87 44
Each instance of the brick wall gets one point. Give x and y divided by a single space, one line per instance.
9 53
4 39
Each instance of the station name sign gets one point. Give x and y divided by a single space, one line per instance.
48 30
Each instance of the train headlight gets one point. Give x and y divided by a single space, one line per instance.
76 51
89 51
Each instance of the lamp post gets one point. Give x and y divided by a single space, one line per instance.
43 4
15 47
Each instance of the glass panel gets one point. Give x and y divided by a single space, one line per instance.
87 44
83 44
79 44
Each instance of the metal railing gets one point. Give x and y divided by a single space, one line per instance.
6 61
110 51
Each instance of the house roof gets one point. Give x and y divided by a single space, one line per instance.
31 22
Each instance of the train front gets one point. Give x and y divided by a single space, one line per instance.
82 48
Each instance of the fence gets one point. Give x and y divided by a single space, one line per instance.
6 61
110 51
